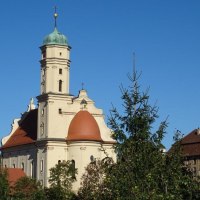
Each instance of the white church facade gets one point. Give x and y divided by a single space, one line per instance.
62 126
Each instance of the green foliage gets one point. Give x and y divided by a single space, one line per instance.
187 185
58 193
4 185
92 185
27 188
54 193
143 170
61 178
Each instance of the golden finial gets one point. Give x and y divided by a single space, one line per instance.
55 16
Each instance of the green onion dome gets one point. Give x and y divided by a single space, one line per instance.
55 38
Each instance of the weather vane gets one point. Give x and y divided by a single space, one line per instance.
55 16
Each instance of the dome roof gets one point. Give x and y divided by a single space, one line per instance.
84 127
55 38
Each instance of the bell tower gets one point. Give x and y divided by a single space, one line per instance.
55 63
54 84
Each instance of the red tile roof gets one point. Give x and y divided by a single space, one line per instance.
84 127
191 144
191 149
26 133
192 137
14 174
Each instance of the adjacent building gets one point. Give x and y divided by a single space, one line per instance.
190 145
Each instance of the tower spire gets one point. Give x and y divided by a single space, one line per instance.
55 16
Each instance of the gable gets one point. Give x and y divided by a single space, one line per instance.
26 133
192 137
190 144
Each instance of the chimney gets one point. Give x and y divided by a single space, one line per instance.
198 131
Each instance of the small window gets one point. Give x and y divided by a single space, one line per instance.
60 71
60 53
41 166
13 165
59 161
194 170
32 169
42 128
44 54
43 72
192 162
73 169
60 86
5 166
60 111
41 182
92 159
22 166
42 111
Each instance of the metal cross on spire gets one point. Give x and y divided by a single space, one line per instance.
82 86
55 16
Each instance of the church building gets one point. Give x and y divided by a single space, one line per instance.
62 127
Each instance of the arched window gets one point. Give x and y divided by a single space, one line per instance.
32 168
43 72
60 86
13 165
22 166
92 159
42 111
60 111
41 165
42 128
73 167
43 54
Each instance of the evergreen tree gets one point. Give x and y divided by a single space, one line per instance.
143 169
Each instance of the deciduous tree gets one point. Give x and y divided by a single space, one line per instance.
27 188
4 185
92 185
61 178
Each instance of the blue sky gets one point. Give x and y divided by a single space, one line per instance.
164 34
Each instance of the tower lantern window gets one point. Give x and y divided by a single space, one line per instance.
60 86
